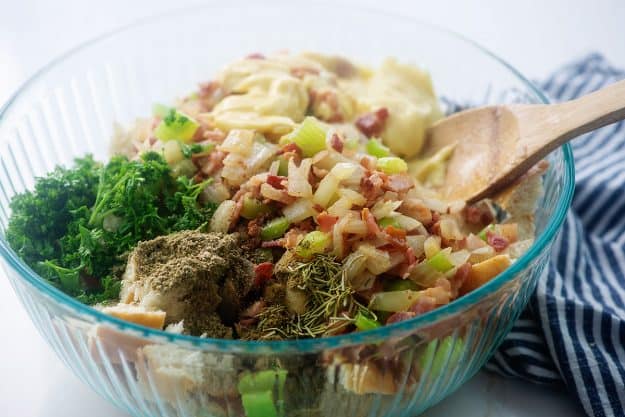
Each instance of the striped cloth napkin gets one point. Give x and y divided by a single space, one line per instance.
573 331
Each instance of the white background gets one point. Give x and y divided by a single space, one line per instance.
535 36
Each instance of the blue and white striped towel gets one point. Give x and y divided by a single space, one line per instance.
574 328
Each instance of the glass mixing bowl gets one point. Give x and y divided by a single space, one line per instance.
69 107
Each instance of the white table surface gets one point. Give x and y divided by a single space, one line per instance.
535 36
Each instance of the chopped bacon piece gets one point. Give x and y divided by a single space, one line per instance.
395 232
327 98
368 162
300 72
498 243
399 183
253 228
326 222
278 243
479 214
372 186
411 259
254 309
423 305
372 124
372 225
336 143
276 181
292 237
211 163
413 207
214 135
208 89
459 278
400 316
290 147
255 55
262 273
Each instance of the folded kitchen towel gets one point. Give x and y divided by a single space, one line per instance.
573 331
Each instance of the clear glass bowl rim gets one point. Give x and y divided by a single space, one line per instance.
300 345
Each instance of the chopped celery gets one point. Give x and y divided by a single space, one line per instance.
257 392
375 148
262 381
313 243
389 221
482 235
274 229
392 165
253 208
176 125
160 110
399 285
442 354
424 274
393 301
283 168
363 322
440 262
310 137
259 404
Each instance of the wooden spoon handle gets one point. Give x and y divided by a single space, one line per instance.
592 111
544 128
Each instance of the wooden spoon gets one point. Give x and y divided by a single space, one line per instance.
495 145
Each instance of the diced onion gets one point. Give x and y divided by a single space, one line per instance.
355 197
432 246
450 229
343 170
416 243
384 208
378 261
353 266
223 217
407 223
299 211
298 185
340 208
239 142
327 188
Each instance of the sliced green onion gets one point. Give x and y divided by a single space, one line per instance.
160 110
389 221
313 243
274 229
375 148
440 262
363 322
253 208
392 165
176 125
399 285
310 137
483 234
